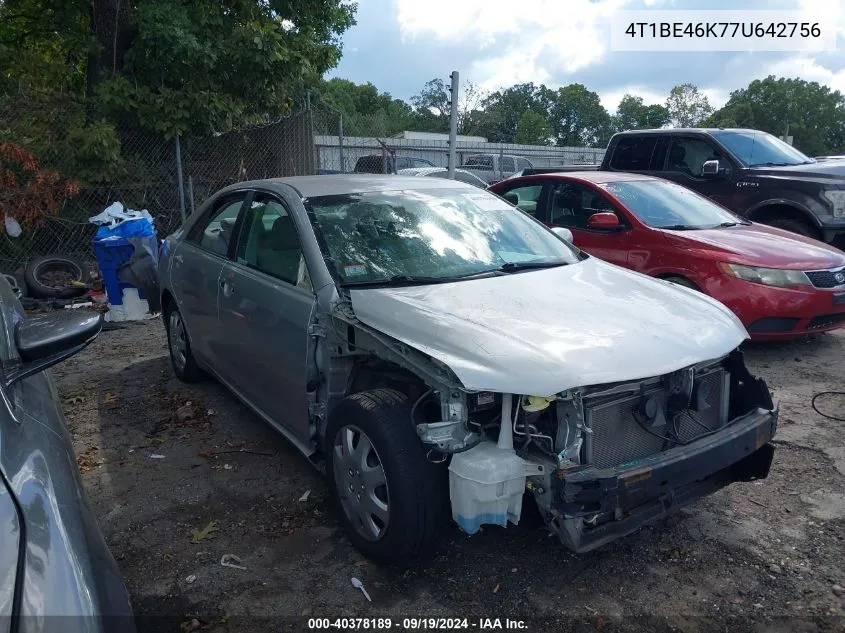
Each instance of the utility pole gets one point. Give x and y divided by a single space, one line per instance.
453 125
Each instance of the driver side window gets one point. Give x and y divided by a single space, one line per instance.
269 242
571 204
688 155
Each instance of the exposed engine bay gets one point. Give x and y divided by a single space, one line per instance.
603 429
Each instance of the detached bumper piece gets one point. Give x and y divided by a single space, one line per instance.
594 506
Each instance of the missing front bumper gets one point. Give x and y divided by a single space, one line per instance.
594 506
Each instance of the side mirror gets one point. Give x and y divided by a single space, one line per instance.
564 234
604 221
711 168
47 339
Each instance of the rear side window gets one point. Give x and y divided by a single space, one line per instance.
506 163
633 153
214 232
480 161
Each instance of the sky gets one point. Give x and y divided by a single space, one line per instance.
398 45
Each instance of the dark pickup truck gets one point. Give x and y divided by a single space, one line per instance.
750 172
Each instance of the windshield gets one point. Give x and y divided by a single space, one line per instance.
662 204
759 148
437 234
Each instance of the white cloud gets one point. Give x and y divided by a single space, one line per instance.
809 69
541 39
550 41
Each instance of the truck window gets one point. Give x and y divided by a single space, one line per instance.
506 163
687 155
480 161
633 153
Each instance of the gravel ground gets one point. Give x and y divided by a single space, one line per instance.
759 556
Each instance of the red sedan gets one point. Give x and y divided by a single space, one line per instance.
779 284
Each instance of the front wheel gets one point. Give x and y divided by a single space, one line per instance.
387 494
181 357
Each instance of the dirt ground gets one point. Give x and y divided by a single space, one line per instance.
180 475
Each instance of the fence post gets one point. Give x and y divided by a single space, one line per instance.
179 177
191 193
340 138
453 125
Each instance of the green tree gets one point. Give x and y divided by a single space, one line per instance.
504 109
578 118
366 111
533 129
633 114
174 66
433 107
687 106
814 115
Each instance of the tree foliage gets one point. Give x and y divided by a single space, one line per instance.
578 118
27 191
687 106
812 114
633 114
169 66
533 129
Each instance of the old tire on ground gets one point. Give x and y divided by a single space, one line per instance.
682 281
795 226
51 276
388 497
181 357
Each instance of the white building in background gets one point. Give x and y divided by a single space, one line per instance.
437 136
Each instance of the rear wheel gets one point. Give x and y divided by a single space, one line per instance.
386 493
181 357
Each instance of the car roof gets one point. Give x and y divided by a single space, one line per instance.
686 130
338 184
596 177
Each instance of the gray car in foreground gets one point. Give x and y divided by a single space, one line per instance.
432 347
56 573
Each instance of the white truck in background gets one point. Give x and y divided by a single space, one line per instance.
492 168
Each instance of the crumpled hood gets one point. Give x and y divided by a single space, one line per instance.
544 331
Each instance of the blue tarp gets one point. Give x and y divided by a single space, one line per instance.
141 227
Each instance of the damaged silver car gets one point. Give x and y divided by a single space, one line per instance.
429 346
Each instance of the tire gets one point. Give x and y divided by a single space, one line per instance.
65 269
682 281
178 343
795 226
407 494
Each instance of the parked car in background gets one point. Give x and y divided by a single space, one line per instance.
386 164
780 284
495 167
750 172
53 559
402 330
441 172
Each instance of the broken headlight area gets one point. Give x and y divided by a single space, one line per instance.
603 460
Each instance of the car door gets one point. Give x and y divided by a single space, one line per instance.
569 204
683 163
266 303
197 262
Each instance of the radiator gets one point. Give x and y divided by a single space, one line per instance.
617 438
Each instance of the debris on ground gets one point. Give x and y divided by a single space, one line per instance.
190 625
230 560
86 460
838 590
156 456
359 585
209 531
305 495
191 579
110 398
185 413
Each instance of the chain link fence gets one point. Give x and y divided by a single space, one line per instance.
171 178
